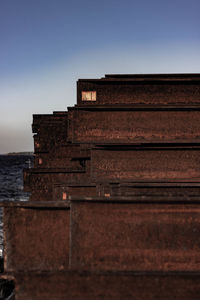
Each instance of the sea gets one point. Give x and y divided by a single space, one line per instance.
11 182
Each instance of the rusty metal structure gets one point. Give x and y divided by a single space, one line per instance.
114 211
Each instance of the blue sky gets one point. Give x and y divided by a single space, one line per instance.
46 45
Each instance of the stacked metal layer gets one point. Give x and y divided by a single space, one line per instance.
114 211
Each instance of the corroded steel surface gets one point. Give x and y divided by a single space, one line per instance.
134 237
133 126
36 239
127 91
146 164
69 156
62 191
41 182
50 130
107 286
115 188
176 189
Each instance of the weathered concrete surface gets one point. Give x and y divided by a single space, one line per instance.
145 164
129 126
121 236
107 286
36 239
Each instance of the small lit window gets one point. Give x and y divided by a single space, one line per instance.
64 196
89 96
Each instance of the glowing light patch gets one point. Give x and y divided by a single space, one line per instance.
89 96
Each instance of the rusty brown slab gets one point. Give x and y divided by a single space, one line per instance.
141 91
35 204
36 238
40 182
64 191
130 126
138 199
145 164
59 156
163 191
118 286
176 189
118 236
48 160
50 130
147 189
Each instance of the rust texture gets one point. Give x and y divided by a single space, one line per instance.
114 211
36 239
135 237
134 126
146 164
81 286
142 90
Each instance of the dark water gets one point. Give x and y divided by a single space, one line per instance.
11 181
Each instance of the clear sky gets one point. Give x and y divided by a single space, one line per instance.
46 45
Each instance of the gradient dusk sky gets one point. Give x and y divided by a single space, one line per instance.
46 45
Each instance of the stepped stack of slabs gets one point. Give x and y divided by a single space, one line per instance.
114 211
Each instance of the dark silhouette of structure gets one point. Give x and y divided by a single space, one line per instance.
114 211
